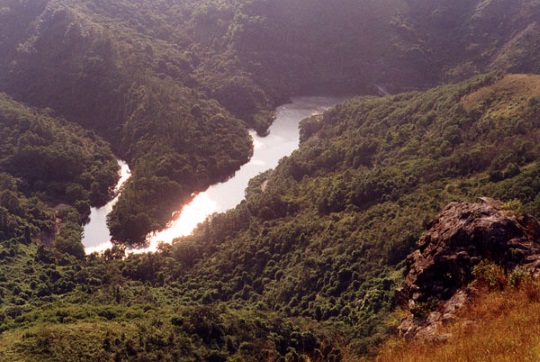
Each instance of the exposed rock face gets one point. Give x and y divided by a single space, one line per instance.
457 240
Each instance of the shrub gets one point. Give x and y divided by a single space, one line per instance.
518 276
490 275
514 207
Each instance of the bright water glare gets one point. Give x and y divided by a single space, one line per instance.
282 141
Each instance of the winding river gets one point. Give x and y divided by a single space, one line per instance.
282 141
96 235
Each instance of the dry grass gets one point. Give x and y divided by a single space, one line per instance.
514 87
497 326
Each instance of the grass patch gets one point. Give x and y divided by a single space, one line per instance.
501 325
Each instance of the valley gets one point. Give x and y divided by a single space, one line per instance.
304 264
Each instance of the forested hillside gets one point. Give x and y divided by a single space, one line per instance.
45 159
306 267
176 140
182 74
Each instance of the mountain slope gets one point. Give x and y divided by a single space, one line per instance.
306 267
183 74
326 237
158 125
309 264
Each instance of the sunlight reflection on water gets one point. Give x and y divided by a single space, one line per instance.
282 141
192 214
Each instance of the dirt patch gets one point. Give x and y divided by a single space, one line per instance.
514 87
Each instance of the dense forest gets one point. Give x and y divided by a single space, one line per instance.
306 267
182 74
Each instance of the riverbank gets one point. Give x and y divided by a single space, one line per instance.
281 140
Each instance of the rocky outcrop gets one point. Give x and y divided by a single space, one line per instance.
457 240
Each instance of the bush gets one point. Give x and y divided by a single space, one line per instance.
518 276
514 207
490 275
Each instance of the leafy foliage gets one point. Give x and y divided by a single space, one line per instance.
305 268
326 237
46 161
152 76
54 158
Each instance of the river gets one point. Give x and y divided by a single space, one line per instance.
282 141
96 235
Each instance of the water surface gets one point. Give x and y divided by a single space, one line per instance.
96 235
282 141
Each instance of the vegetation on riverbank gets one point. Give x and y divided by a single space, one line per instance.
47 164
164 82
314 251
